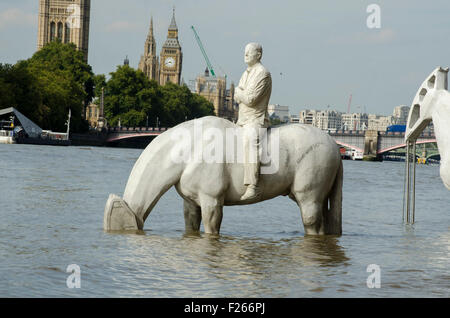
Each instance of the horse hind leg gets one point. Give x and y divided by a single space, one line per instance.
312 216
333 215
311 208
212 213
192 216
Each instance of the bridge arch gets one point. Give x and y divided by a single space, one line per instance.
403 145
121 137
340 143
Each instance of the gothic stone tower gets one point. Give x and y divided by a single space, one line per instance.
171 56
66 20
149 63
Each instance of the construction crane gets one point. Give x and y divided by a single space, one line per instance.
208 63
349 104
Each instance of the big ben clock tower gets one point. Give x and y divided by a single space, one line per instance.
171 56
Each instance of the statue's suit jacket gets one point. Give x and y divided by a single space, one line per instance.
257 85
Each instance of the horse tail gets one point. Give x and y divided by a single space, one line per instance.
333 219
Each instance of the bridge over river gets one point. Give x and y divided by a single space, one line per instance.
369 142
116 134
377 143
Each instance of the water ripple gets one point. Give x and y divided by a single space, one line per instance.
52 217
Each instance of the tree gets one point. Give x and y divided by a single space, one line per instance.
150 99
275 121
200 107
175 104
99 83
56 56
19 89
125 92
131 97
56 79
179 104
64 81
7 99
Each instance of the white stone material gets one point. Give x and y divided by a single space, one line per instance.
118 216
254 90
253 95
432 103
310 173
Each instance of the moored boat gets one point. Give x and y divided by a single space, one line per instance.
17 128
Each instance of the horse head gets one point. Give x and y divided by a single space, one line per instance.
432 103
428 97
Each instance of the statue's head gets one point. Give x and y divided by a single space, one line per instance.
253 53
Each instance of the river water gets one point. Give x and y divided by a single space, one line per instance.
51 209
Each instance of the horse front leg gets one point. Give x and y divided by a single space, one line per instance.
192 216
212 213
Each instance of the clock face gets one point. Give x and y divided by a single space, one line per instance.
169 62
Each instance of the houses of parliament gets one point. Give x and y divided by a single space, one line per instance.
68 21
167 67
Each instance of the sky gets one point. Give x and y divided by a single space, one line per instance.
318 52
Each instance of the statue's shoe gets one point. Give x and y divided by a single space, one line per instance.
253 192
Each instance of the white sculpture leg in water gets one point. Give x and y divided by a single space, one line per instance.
310 172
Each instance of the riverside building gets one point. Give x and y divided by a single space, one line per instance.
66 21
168 66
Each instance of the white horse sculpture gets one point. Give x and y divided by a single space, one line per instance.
432 103
310 173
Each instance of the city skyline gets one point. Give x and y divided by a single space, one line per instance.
335 120
318 53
